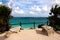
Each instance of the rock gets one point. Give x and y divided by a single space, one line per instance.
48 29
16 29
3 36
58 32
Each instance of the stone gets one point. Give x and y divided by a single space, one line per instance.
48 29
16 29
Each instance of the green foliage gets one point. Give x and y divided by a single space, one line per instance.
4 18
54 20
40 26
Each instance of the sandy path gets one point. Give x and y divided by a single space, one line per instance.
32 35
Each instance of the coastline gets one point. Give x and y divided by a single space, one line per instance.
29 21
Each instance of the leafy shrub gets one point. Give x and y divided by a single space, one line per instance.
4 18
55 18
40 26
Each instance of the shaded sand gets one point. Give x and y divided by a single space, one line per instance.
32 34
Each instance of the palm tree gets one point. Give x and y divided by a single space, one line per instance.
4 18
54 20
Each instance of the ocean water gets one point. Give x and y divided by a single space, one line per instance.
28 22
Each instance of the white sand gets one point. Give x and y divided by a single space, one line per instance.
33 34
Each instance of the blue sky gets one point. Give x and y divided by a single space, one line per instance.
30 8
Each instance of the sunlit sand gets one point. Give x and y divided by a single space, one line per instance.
31 34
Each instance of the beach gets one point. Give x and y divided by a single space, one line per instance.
29 20
32 34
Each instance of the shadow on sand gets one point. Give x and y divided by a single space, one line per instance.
3 37
58 32
41 32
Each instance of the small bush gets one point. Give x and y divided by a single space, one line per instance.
54 19
40 26
4 18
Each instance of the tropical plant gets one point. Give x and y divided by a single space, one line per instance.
55 17
40 25
4 18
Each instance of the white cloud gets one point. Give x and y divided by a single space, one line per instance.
31 12
19 11
45 8
35 8
15 9
57 1
0 2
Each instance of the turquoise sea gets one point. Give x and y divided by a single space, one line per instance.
28 22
